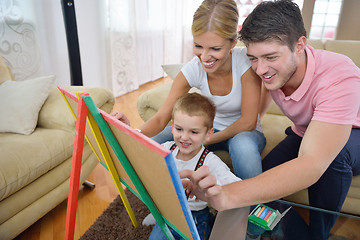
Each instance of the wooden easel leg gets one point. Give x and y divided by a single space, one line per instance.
75 170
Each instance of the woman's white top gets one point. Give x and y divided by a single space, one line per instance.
228 107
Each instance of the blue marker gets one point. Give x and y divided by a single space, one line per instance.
263 214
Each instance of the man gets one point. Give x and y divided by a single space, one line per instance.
319 91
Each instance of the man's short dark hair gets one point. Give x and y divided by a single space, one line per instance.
280 20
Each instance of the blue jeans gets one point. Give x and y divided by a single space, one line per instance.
204 221
330 191
164 136
244 149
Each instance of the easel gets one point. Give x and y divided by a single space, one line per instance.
87 112
81 116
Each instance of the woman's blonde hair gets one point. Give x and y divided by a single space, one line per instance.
217 16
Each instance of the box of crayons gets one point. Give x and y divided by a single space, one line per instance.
266 217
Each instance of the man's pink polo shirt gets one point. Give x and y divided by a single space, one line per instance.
330 92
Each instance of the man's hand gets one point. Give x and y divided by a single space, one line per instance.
121 117
203 185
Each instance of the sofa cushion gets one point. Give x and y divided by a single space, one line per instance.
316 43
346 47
20 103
56 114
25 158
274 109
172 70
50 183
273 126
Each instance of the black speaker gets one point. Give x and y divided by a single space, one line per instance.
68 8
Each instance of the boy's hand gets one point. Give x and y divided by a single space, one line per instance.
203 185
121 117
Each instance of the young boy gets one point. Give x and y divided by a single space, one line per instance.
192 124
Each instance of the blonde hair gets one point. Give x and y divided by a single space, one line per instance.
217 16
194 104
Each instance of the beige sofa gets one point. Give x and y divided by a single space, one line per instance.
273 122
35 168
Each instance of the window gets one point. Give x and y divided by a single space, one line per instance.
325 19
246 6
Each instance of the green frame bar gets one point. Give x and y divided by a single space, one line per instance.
126 164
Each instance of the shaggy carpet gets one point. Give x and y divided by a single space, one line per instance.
114 223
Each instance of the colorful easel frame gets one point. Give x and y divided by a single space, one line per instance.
135 164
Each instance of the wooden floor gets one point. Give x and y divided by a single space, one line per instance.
92 203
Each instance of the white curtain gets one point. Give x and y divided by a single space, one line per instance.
145 34
19 39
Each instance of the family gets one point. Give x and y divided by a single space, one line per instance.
318 90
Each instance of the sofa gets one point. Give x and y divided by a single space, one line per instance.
273 122
35 166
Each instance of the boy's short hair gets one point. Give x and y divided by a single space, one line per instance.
280 20
195 104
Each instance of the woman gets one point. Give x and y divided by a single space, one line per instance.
223 74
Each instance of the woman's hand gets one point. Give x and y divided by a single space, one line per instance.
121 117
203 185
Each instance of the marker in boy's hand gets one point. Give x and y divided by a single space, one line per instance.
187 184
206 181
190 185
188 192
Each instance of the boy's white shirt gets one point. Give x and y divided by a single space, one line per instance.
216 166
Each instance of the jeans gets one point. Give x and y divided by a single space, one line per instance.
330 191
204 221
164 136
244 149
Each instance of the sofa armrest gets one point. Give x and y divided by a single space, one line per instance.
56 114
150 101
